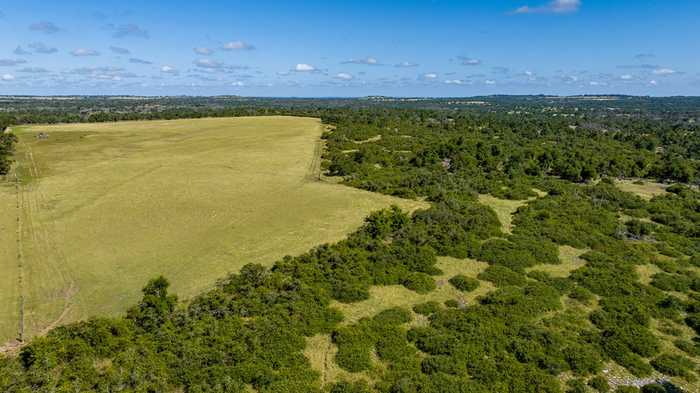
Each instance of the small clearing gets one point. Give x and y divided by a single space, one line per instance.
570 260
643 188
384 297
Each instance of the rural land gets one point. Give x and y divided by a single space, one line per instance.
375 244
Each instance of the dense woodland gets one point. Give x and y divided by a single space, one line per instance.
533 333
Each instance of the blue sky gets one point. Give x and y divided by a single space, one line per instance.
350 48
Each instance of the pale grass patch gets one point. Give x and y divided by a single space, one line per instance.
320 351
384 297
376 138
504 209
570 258
645 191
646 272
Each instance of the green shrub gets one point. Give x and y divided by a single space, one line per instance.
348 387
451 303
653 388
600 384
688 347
672 365
426 308
575 386
419 282
464 283
627 389
392 316
671 282
581 294
502 276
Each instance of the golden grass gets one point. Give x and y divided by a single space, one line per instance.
646 272
645 191
570 260
375 138
384 297
105 207
504 209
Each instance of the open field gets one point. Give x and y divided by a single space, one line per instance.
104 207
388 296
645 189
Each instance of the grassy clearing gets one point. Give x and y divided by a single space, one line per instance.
107 206
646 272
384 297
321 352
504 209
646 190
570 260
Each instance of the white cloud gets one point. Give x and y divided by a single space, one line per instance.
168 69
454 82
468 61
237 84
303 67
553 7
237 45
406 64
344 76
626 77
366 61
596 83
430 75
210 65
653 82
203 51
664 71
490 82
8 77
82 52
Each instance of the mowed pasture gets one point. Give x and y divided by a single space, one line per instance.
104 207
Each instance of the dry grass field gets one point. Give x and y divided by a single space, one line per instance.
104 207
504 209
645 189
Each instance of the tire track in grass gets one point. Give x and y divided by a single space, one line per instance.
48 253
20 261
